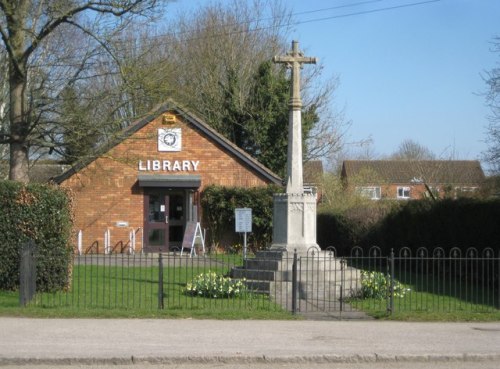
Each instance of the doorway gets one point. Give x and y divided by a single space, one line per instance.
164 219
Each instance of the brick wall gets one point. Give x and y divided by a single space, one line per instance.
417 191
106 191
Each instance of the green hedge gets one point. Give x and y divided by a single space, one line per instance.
219 202
41 213
336 230
347 228
461 223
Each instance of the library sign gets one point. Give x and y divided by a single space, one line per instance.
169 165
169 140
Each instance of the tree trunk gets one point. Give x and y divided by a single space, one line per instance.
19 127
18 162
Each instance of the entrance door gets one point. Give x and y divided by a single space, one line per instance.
164 219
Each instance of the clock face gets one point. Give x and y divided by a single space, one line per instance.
169 139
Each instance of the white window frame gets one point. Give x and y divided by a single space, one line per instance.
369 192
467 189
403 192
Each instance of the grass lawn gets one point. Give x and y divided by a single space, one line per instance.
431 300
125 288
116 292
422 306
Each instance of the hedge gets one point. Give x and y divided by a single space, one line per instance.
461 223
218 204
43 214
448 223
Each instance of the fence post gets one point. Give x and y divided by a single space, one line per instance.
342 283
27 273
160 282
390 308
294 283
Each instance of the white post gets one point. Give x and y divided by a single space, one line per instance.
142 239
131 247
107 241
244 246
80 242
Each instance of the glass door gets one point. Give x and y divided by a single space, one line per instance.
164 219
156 214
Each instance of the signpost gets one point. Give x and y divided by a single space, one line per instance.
243 224
191 235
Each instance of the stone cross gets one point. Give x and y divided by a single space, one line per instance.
294 60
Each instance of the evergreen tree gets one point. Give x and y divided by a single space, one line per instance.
260 126
80 132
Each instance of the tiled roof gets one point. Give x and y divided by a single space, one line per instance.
313 172
42 173
190 118
464 172
38 172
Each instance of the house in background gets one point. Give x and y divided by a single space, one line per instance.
39 171
313 177
417 179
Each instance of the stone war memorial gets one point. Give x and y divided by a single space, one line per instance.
294 212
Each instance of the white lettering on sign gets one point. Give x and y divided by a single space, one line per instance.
168 165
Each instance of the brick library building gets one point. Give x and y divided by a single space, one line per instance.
142 189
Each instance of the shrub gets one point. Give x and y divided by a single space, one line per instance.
348 228
218 209
41 213
213 285
448 223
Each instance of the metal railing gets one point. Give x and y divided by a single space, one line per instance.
366 280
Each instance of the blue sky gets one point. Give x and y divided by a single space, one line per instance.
413 72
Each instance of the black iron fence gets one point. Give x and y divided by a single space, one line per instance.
365 281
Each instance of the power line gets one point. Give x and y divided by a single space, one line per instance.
368 11
294 23
287 24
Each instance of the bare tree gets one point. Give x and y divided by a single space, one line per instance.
492 155
25 27
219 42
412 150
218 52
4 97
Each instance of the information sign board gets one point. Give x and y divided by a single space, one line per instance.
243 220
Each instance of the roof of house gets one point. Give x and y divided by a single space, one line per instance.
188 117
313 172
39 172
43 173
464 172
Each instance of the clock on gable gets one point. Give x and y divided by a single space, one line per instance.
169 139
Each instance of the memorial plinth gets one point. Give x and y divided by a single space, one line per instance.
294 223
294 212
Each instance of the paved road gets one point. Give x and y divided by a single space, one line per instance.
173 343
303 365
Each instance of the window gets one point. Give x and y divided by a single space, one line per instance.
465 191
372 193
403 192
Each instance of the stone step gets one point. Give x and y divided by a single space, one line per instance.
252 274
270 255
262 264
263 287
